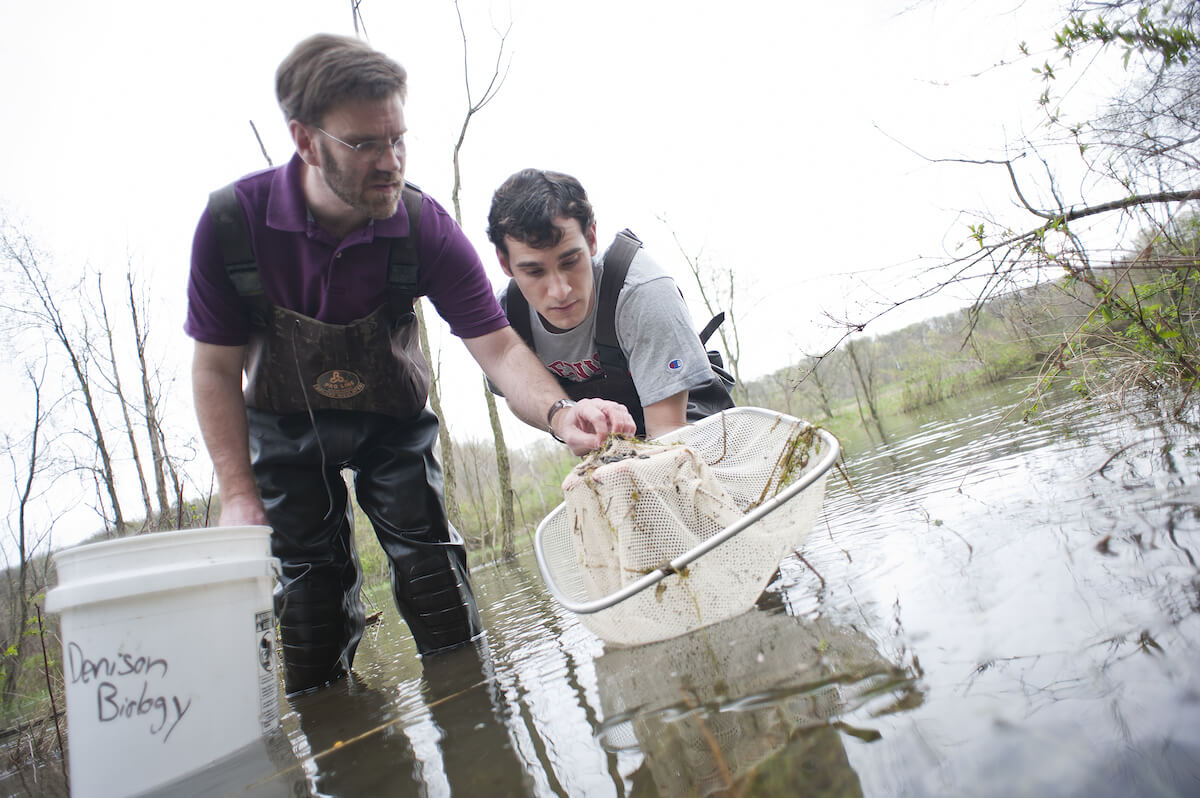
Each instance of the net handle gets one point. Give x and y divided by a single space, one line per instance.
828 458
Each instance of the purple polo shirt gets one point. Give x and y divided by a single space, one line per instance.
306 270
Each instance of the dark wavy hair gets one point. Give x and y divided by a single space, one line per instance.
325 70
527 203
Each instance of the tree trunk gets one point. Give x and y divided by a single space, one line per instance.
868 392
821 392
450 491
508 548
153 428
19 588
502 466
44 314
485 522
115 383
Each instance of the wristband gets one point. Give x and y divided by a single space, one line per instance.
554 408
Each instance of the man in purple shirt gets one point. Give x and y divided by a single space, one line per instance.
303 277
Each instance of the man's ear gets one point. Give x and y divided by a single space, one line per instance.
306 145
591 238
503 261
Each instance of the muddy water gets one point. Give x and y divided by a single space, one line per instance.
994 608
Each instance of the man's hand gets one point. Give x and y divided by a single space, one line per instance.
588 424
243 511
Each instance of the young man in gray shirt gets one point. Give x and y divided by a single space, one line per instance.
565 305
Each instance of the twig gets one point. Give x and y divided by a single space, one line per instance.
1183 402
208 501
261 146
810 567
1100 471
842 470
49 689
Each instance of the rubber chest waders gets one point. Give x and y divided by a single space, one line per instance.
299 369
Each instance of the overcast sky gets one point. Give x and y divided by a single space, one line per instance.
777 138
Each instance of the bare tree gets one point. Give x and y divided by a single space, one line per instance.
508 546
717 291
864 371
819 383
449 475
158 445
1142 155
38 309
474 106
449 470
478 479
112 377
25 580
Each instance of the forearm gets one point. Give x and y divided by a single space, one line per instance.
221 413
528 386
666 415
531 390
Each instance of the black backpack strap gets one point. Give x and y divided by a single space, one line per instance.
516 307
710 328
616 266
403 262
233 239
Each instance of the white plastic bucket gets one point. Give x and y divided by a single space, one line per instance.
168 654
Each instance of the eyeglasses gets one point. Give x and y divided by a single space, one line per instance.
371 148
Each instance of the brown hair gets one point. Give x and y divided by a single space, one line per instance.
325 70
527 203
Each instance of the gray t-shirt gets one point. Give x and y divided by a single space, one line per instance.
654 332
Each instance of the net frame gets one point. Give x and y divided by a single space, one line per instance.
743 447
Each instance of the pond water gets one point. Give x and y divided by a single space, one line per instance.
993 608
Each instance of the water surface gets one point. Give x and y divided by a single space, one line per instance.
991 607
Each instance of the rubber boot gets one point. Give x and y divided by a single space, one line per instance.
433 592
319 629
399 487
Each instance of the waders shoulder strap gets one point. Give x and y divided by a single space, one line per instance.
229 223
403 261
233 239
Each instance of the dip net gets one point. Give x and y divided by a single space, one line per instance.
636 548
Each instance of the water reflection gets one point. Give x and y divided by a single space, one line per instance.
750 705
445 733
267 768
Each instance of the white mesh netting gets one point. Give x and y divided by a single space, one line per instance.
634 506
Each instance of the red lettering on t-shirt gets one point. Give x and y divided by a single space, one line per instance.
576 371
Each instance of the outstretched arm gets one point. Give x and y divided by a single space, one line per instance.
221 411
666 415
531 390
